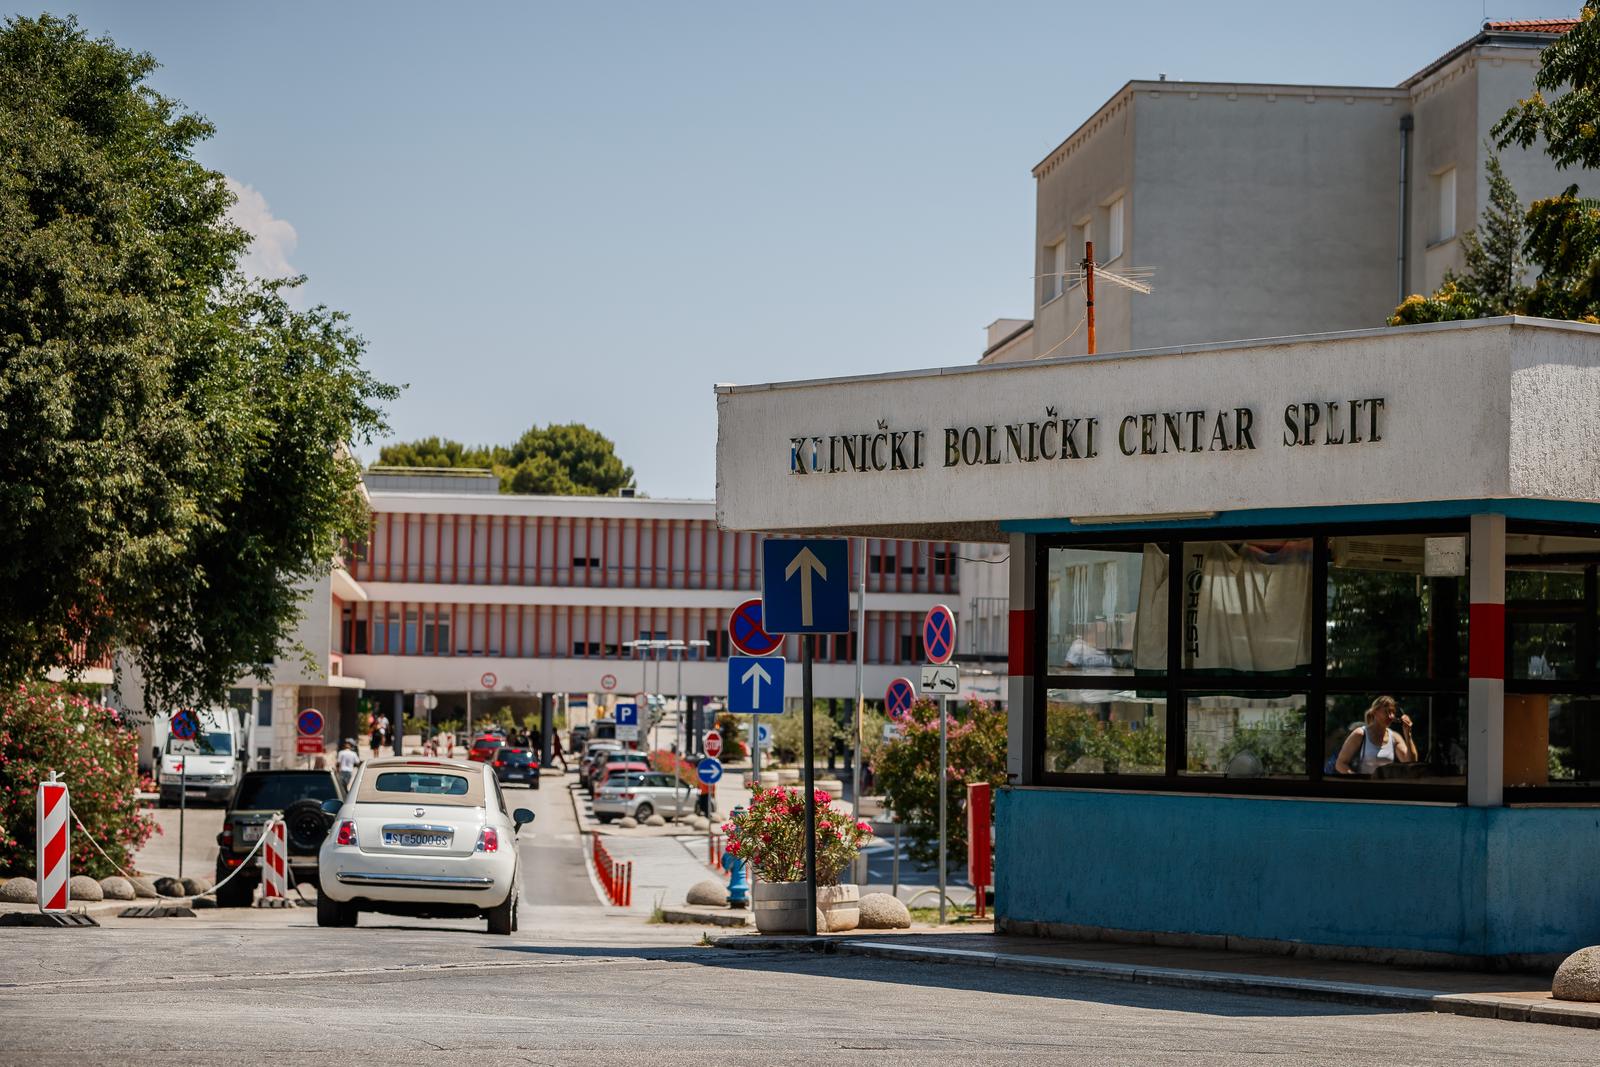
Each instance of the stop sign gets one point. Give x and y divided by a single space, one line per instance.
713 744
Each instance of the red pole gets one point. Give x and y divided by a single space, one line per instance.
1088 290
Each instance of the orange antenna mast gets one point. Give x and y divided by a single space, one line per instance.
1088 290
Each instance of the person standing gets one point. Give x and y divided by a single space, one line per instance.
347 761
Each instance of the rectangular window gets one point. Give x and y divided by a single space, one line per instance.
1246 606
1104 731
592 562
1552 739
1245 735
887 563
942 564
585 648
263 707
911 648
1395 611
1114 223
1054 264
844 647
1437 753
716 645
1444 195
1082 234
1107 610
435 633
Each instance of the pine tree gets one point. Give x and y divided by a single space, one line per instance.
1493 250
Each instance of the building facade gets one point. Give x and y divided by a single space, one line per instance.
1270 210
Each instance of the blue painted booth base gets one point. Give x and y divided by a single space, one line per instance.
1517 885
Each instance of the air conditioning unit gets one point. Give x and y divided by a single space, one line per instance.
1376 554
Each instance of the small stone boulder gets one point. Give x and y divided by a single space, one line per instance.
82 887
170 887
143 888
116 888
198 885
698 823
655 820
880 911
1578 977
19 891
627 822
709 893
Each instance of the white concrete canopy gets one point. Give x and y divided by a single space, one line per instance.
1491 409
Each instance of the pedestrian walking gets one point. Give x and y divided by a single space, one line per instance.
556 751
347 761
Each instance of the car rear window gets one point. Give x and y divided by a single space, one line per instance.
516 755
624 780
274 792
430 782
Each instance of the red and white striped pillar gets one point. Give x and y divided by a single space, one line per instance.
53 845
275 861
1486 662
1019 662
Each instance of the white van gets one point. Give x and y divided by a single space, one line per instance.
208 765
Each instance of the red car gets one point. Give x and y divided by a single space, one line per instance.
484 748
619 767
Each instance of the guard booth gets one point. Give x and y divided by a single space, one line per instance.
1221 557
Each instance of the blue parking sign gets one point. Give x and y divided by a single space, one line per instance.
805 586
627 714
755 685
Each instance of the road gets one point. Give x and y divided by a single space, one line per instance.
582 984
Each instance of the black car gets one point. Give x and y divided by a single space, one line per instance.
513 764
259 796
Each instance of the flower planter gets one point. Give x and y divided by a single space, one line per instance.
780 907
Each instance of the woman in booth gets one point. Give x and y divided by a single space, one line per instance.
1375 744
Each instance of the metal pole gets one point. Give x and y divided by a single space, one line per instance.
755 781
468 738
861 648
806 641
183 807
897 859
944 733
677 796
1088 309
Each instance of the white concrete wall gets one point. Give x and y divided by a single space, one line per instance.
1555 402
1446 429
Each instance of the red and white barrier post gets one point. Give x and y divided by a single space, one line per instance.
54 842
275 862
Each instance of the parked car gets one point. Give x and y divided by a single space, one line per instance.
616 767
299 795
605 759
577 736
596 750
517 765
484 748
641 795
421 837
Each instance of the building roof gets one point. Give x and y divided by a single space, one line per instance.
1499 31
1557 26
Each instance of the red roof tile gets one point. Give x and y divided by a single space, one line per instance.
1530 25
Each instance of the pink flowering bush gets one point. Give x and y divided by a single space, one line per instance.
771 835
45 727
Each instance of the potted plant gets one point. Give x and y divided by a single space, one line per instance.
770 835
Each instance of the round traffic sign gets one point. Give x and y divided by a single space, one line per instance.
488 681
608 682
899 697
310 723
939 634
713 744
763 734
183 725
709 770
744 629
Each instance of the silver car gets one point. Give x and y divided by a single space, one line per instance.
642 795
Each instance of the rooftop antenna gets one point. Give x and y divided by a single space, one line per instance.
1134 278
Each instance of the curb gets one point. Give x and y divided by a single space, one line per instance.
705 918
1398 998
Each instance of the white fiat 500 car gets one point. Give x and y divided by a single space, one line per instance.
422 837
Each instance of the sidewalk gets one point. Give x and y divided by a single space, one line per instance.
1514 997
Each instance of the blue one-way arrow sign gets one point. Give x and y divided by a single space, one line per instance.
755 685
805 586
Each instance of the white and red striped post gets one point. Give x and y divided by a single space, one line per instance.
53 845
275 861
1486 662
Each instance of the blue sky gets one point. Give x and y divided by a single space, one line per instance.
544 212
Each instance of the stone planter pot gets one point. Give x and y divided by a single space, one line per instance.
780 907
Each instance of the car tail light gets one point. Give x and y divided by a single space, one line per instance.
347 832
488 839
626 796
233 861
225 839
499 763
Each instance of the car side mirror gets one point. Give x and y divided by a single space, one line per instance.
521 817
332 805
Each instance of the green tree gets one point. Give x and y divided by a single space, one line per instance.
907 770
177 433
557 460
1490 282
1568 124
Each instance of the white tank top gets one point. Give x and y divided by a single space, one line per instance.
1373 756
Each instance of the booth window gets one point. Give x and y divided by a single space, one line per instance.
1552 704
1243 663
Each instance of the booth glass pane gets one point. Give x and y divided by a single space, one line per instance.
1438 728
1255 735
1094 731
1550 605
1246 607
1106 610
1552 739
1397 606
